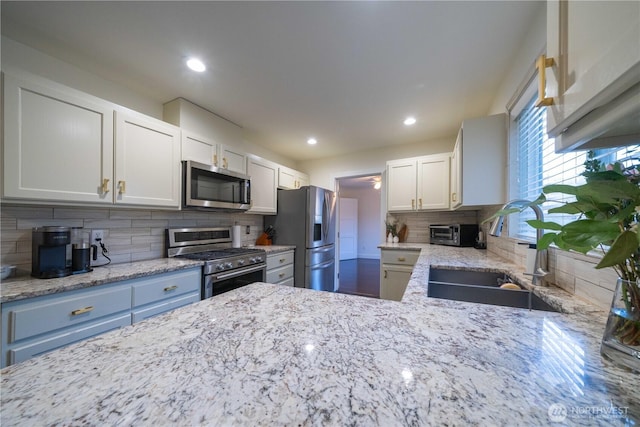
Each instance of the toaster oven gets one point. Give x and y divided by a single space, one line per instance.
453 235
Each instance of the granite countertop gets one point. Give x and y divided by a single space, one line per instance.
267 354
23 287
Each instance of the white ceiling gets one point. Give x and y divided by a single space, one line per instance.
346 73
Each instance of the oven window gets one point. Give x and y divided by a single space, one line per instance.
206 185
227 285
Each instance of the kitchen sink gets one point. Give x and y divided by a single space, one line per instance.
481 287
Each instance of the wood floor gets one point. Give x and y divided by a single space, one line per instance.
360 277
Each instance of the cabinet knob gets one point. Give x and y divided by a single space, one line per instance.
542 63
82 310
105 185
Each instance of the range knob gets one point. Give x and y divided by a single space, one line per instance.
228 265
219 267
241 262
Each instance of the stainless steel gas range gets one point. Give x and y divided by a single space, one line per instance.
225 268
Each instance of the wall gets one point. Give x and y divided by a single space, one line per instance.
323 172
130 234
368 220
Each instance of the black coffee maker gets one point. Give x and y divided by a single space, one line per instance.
49 255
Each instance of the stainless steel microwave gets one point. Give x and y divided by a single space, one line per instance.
208 187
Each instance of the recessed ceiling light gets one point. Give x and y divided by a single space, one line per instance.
312 141
196 65
410 121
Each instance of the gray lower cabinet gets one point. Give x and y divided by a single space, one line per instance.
38 325
154 295
280 268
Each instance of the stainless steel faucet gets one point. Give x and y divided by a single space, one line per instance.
540 263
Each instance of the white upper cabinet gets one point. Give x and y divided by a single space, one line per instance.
401 184
419 183
433 182
595 47
58 143
290 179
479 162
232 159
264 183
147 161
198 149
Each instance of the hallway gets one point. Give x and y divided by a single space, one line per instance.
360 276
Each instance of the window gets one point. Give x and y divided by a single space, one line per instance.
536 165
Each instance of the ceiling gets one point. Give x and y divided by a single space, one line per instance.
346 73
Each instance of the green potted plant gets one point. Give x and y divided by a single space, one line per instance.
608 209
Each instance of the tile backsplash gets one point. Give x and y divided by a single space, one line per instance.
130 234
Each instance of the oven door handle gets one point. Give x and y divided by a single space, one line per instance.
238 272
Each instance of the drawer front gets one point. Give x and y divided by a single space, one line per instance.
286 282
279 259
164 306
171 285
399 257
27 351
279 274
34 318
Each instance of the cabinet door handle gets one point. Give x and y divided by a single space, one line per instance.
281 275
225 164
420 203
401 259
413 203
385 274
215 160
82 310
122 187
170 288
542 63
454 197
282 260
105 185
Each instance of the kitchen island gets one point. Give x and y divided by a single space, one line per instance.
273 355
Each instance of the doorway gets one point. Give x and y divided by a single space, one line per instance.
360 230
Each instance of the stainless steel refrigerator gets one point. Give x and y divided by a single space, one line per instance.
307 219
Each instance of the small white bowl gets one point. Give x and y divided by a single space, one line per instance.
7 271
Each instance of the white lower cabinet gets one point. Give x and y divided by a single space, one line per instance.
280 268
396 267
38 325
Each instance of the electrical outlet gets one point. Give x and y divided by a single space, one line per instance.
97 235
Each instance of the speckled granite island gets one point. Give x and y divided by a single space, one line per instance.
274 355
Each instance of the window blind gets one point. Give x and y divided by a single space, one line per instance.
537 165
